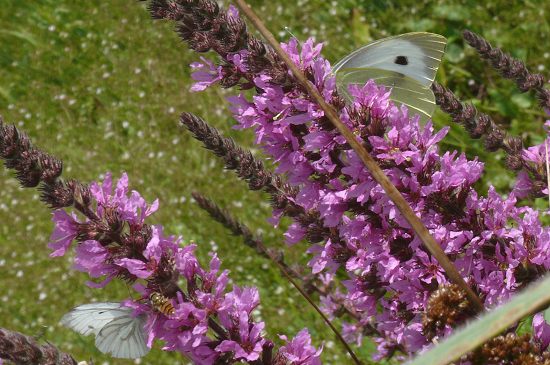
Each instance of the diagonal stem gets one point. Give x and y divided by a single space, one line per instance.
237 228
367 159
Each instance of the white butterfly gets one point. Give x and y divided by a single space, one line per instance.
117 332
407 63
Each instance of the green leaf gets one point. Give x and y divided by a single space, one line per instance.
473 335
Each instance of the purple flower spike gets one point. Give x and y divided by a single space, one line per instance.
207 322
496 245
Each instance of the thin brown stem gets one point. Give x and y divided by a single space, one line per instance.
367 159
238 228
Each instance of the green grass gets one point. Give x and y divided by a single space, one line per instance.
100 85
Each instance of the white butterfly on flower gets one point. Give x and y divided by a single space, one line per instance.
117 331
407 63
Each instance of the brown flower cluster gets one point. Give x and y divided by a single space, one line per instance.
480 125
510 349
25 350
447 306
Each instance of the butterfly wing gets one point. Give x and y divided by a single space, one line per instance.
117 331
91 318
407 62
416 55
123 337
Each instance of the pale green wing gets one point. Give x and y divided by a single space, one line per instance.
407 63
416 55
404 90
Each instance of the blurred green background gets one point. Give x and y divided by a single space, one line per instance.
100 85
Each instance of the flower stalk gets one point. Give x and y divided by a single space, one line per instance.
252 170
510 67
243 162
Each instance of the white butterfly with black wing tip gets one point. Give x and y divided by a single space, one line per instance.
407 63
117 332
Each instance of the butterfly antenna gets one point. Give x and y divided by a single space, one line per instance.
547 170
287 29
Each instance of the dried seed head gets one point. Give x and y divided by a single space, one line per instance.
510 349
447 306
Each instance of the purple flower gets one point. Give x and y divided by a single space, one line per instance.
65 231
132 209
541 331
237 301
299 350
93 258
185 331
208 321
186 262
294 233
156 247
206 74
376 246
248 344
497 246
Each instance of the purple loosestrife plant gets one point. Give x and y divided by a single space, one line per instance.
211 325
498 246
118 243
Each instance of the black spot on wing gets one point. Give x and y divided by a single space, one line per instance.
401 60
